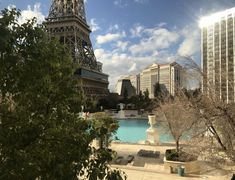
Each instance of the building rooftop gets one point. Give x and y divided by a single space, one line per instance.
216 17
154 65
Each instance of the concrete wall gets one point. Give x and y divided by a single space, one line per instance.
190 167
129 113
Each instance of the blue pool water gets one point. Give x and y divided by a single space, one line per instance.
134 130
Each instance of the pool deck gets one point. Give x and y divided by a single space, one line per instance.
144 174
150 168
128 148
131 118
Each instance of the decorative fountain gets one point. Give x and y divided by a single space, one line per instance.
121 113
152 134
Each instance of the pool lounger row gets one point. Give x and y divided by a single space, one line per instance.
148 153
120 160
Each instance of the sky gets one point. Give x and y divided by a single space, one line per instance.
129 35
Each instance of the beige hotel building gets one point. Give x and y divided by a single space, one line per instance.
217 54
169 76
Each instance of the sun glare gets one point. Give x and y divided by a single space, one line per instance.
209 20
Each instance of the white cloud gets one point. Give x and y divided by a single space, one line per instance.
120 3
30 13
162 24
141 1
94 26
137 30
133 68
122 45
114 27
156 38
101 39
125 57
153 46
125 3
99 53
116 63
191 42
11 6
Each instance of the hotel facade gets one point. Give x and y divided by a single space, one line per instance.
169 76
217 54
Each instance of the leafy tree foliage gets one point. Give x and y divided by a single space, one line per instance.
160 92
41 135
140 96
105 126
157 91
146 95
109 102
141 101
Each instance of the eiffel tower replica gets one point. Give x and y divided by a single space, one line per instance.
67 22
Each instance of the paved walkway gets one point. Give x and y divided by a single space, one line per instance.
154 170
149 175
134 148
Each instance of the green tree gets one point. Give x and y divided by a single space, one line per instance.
109 102
157 91
105 126
140 100
41 134
146 95
141 97
147 104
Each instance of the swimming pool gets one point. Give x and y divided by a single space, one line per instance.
134 131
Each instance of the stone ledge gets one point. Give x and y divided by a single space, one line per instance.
190 167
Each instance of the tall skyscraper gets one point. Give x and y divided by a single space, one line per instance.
217 54
67 22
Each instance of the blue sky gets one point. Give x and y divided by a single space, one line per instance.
129 35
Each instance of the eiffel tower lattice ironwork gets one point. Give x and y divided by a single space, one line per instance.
67 22
61 8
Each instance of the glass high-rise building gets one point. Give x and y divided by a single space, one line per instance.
217 54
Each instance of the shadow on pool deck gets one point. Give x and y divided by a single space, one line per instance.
138 161
141 161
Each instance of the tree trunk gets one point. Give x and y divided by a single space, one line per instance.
216 135
106 141
101 142
177 145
